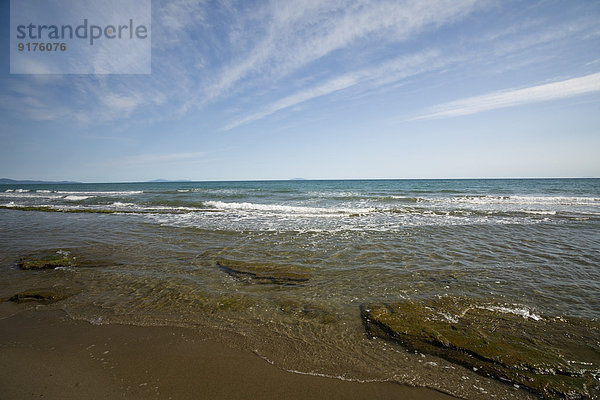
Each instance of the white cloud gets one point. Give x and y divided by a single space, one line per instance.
178 14
515 97
386 73
267 56
174 18
299 33
123 103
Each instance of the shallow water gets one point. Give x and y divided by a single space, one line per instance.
530 247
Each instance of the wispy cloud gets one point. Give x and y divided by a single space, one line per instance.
300 33
384 74
515 97
259 58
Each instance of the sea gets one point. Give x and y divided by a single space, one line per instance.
152 254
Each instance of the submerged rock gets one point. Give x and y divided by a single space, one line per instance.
307 311
265 272
49 260
553 357
43 295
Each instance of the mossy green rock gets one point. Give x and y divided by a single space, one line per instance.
43 295
265 272
50 260
553 357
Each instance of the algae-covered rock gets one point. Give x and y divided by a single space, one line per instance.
42 295
265 272
307 311
554 357
48 260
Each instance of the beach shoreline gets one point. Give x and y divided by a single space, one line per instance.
47 354
330 279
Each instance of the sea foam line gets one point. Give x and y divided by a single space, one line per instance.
549 200
100 193
77 198
517 310
284 209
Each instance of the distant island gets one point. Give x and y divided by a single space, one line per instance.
167 180
6 181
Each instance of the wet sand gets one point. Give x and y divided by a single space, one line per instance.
45 354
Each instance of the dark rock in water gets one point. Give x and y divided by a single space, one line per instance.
265 272
553 357
43 295
47 260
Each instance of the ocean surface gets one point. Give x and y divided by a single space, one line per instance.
152 254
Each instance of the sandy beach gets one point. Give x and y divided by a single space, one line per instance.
44 354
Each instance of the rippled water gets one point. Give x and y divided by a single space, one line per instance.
149 255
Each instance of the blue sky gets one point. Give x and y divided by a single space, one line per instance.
323 90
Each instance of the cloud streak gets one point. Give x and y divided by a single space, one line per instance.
515 97
301 33
386 73
234 63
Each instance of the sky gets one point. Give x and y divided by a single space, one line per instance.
243 90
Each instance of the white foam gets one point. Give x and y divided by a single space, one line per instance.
30 195
564 200
450 318
171 208
69 269
517 310
120 204
410 198
319 374
530 200
335 194
277 208
538 212
140 208
77 198
108 193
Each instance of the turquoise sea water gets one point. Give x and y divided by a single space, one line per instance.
150 255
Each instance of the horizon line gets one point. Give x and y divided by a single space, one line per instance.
70 182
